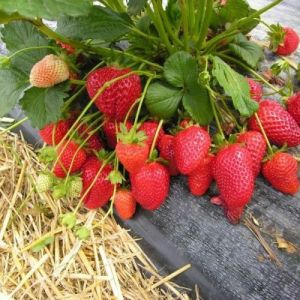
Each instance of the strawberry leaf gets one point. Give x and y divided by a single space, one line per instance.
135 7
13 83
102 24
162 100
43 106
18 35
196 102
248 51
234 85
180 68
49 10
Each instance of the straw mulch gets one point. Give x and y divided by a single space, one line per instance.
109 265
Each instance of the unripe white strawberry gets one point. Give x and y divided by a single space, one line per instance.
49 71
44 183
75 187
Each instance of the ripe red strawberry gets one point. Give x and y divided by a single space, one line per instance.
256 145
125 204
201 178
191 146
116 100
293 107
278 124
282 172
150 185
290 42
150 127
235 180
132 156
53 133
49 71
166 151
70 158
93 141
109 129
256 90
102 189
70 49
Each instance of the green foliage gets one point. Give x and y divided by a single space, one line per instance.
246 50
43 106
135 7
47 9
18 35
12 86
234 85
162 100
180 68
43 243
101 23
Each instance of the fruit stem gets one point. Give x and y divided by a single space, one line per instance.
13 126
278 91
213 105
111 205
72 98
291 63
263 133
156 137
77 82
140 103
104 163
199 16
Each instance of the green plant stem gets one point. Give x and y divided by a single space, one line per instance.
245 67
263 132
213 105
237 26
72 98
191 15
77 82
205 23
13 126
201 4
30 49
167 24
291 63
98 50
156 137
158 23
185 25
145 35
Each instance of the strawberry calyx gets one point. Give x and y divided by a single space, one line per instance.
276 36
47 154
274 151
69 220
115 177
131 136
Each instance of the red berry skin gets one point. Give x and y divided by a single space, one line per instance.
290 43
53 133
150 128
167 152
200 179
293 107
92 141
70 158
150 185
191 147
278 124
132 156
256 90
109 129
102 190
116 100
282 173
125 204
256 145
235 180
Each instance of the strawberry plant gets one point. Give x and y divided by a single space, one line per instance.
129 93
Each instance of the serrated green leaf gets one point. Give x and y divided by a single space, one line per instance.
102 24
248 51
43 106
234 85
5 17
47 9
162 100
135 7
180 68
196 102
18 35
12 86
